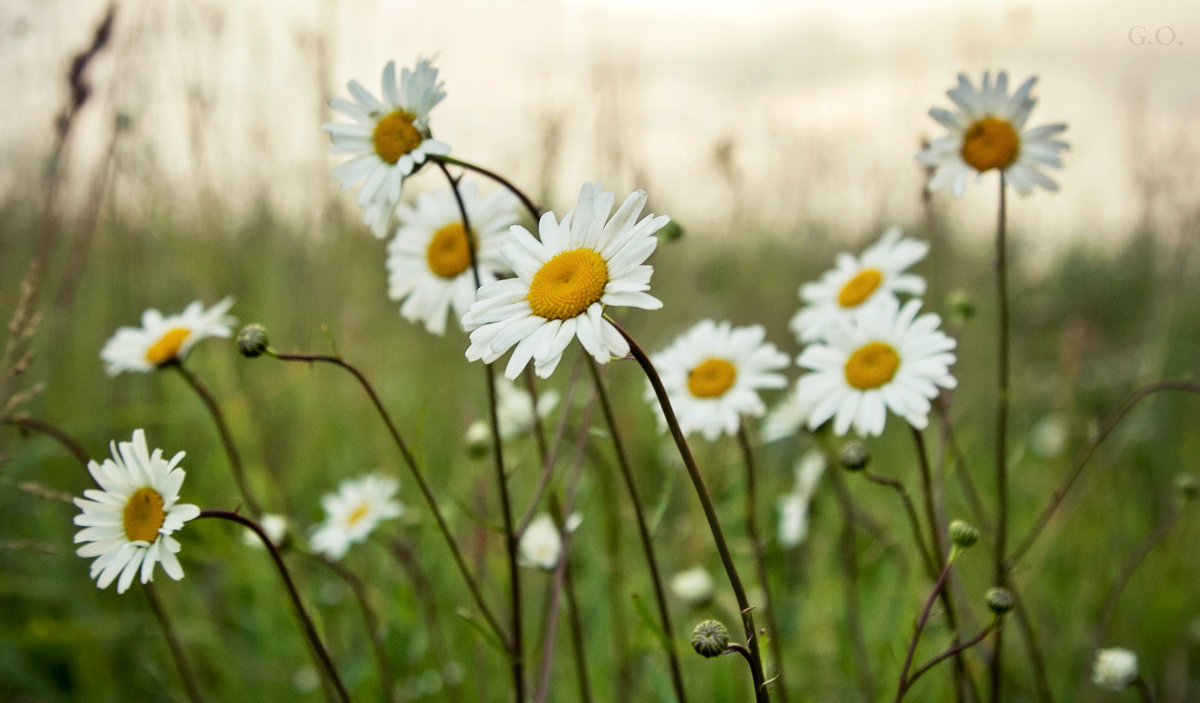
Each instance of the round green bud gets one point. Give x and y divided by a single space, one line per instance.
710 638
1000 600
961 306
252 341
855 456
962 534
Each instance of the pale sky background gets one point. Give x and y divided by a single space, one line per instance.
820 105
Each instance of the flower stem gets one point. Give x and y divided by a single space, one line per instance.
426 491
954 651
1001 568
760 562
68 442
181 662
374 632
310 630
910 509
761 695
902 687
510 534
643 529
534 211
235 459
850 593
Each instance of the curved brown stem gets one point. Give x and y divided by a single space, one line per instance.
534 210
310 631
67 441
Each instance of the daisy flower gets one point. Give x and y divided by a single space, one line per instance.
883 358
390 138
712 374
353 512
582 264
988 132
857 282
161 340
127 522
541 543
429 260
693 586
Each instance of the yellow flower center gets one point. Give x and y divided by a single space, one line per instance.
859 288
359 513
990 143
711 378
871 366
449 252
167 346
568 284
395 136
144 515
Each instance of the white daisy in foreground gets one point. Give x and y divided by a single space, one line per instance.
793 507
390 138
986 134
127 523
713 373
161 340
429 260
693 586
857 282
582 264
541 544
1115 668
354 512
883 358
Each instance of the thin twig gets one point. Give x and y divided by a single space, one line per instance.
1001 537
534 210
67 441
848 552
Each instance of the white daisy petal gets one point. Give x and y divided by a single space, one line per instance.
353 513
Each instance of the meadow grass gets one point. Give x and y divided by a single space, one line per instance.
1088 329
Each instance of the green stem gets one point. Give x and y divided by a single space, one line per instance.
848 552
318 648
643 530
370 620
67 441
1001 568
760 562
422 484
181 662
235 459
902 687
761 695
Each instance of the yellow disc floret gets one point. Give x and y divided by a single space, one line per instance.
990 143
395 136
359 513
144 515
859 288
449 252
711 378
568 284
167 347
871 366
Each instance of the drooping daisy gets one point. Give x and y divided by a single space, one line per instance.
857 282
712 374
883 358
429 260
793 507
582 264
988 132
161 340
127 522
390 138
354 512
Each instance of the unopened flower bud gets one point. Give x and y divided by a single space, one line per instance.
479 438
1000 600
855 456
252 341
710 638
962 534
962 307
1187 485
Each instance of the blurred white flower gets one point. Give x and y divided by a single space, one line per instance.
793 507
514 407
354 512
693 586
986 133
276 527
540 545
858 282
713 373
1048 436
161 340
1115 668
